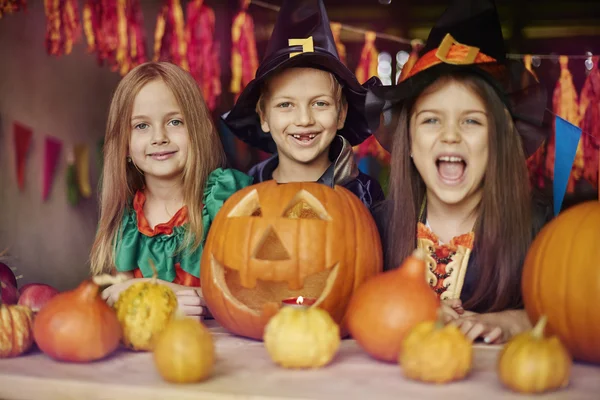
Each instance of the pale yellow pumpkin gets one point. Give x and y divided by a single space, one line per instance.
16 336
184 352
531 363
302 337
144 309
437 353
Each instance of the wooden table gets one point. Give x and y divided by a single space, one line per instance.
245 371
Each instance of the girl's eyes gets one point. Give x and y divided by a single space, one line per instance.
141 126
284 104
175 122
318 103
469 121
472 122
430 121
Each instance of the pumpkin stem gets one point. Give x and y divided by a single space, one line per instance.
154 273
538 331
108 280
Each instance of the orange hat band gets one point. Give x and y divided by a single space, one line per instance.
450 52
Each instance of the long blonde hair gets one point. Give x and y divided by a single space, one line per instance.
121 180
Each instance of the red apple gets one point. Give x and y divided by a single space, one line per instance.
7 275
8 293
36 295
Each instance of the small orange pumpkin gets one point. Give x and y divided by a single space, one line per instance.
184 352
16 336
385 308
561 279
273 241
436 352
530 363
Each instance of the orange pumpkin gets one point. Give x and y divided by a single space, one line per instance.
387 307
273 241
77 325
561 279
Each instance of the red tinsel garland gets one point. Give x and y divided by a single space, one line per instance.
590 125
11 6
63 27
114 30
244 58
169 38
202 51
336 30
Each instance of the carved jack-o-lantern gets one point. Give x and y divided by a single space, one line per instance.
274 241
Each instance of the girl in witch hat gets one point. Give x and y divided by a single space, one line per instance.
465 119
163 182
305 106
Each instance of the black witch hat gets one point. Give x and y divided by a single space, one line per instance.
468 39
301 38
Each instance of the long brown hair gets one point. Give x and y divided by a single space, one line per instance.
121 180
503 232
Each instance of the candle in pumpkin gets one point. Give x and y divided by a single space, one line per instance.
298 302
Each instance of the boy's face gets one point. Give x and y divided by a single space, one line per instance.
302 113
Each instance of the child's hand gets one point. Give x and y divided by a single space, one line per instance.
111 293
491 330
451 309
191 303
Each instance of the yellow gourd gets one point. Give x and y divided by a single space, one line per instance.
437 353
302 337
144 309
184 352
531 363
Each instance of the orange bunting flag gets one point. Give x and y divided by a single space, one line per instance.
416 46
336 30
63 27
589 108
565 104
202 51
114 31
244 58
169 36
11 6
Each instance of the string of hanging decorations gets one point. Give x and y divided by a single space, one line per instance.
412 42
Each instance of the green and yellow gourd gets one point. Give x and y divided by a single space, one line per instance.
144 309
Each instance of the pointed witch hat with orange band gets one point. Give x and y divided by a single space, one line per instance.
301 38
468 39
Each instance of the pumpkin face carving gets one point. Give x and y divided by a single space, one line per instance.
273 241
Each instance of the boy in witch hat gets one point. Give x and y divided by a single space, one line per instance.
305 106
466 118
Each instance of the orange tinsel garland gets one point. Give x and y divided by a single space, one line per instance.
565 105
63 27
244 59
11 6
336 30
169 36
203 52
367 67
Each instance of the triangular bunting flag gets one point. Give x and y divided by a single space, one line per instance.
22 136
82 166
567 139
51 156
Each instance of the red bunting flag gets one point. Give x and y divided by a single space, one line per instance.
22 137
203 52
